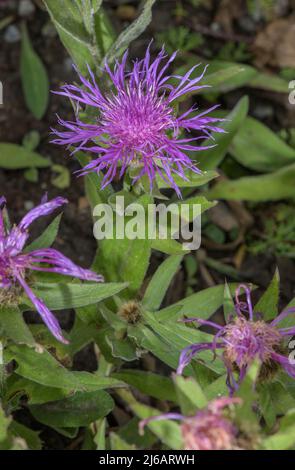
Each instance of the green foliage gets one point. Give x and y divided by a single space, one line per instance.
277 233
34 78
179 39
267 187
16 157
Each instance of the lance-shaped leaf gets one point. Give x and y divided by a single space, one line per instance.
72 295
267 187
13 326
16 157
151 384
211 158
34 78
80 409
41 367
132 31
160 282
47 238
257 147
268 302
167 431
69 22
202 304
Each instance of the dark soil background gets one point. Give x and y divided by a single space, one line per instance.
218 22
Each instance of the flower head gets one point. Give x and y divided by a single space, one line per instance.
208 429
136 123
14 262
244 339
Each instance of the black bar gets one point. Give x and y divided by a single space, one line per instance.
141 458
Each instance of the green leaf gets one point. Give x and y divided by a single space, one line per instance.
122 348
160 282
248 393
211 158
202 304
132 32
73 295
31 140
63 179
259 148
104 31
42 368
189 203
269 187
47 238
80 409
93 182
288 322
226 76
228 303
179 336
191 396
99 438
34 77
267 81
154 385
13 326
217 388
31 438
268 303
168 246
285 438
221 76
32 175
33 391
68 20
130 257
167 431
194 180
158 346
15 157
275 401
117 443
4 424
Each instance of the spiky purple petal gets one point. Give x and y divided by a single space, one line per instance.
136 123
14 262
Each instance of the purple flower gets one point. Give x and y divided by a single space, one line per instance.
209 429
14 262
136 123
244 339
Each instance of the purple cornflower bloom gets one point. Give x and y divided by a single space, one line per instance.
209 429
136 123
14 262
244 339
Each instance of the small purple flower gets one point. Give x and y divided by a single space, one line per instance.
209 429
14 262
136 123
244 339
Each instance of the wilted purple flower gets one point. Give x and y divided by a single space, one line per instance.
244 339
136 124
209 429
14 262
